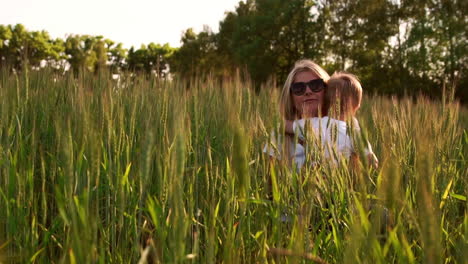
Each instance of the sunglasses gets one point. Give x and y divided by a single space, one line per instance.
299 88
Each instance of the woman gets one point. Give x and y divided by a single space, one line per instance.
302 97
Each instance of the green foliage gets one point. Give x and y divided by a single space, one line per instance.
197 56
87 52
396 47
20 48
152 58
98 171
267 37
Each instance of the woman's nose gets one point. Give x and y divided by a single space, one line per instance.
308 90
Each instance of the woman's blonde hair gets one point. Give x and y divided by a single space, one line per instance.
343 94
287 109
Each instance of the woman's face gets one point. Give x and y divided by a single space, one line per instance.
308 104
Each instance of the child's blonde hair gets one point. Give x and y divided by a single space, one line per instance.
343 94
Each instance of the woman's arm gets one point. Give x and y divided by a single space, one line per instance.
289 127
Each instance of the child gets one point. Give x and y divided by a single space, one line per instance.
339 131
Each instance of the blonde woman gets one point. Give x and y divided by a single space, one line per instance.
302 97
339 131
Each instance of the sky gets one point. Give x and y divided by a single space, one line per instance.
132 22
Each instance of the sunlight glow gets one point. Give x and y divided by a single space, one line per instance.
130 22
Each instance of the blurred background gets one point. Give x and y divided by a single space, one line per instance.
396 47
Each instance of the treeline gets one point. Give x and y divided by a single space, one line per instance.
394 46
20 47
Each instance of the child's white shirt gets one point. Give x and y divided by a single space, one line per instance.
333 138
333 135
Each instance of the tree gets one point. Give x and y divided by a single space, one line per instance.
451 39
151 59
267 36
158 56
372 30
87 52
116 55
75 51
20 48
5 37
196 56
16 48
39 48
340 20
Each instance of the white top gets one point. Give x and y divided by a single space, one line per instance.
332 134
273 148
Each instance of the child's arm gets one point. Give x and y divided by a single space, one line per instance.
371 158
368 153
295 127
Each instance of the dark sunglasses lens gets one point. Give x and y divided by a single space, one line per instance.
316 85
298 88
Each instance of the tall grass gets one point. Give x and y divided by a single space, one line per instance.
98 171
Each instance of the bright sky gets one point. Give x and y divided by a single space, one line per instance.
132 22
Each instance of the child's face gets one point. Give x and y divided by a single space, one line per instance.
308 104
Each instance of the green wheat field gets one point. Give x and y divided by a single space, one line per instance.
141 170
